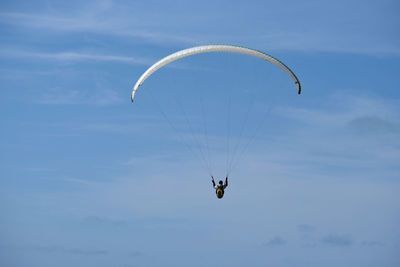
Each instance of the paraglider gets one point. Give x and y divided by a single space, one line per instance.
207 49
213 48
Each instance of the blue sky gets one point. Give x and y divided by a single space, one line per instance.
89 179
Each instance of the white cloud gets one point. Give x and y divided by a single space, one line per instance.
58 96
315 26
75 56
276 241
338 240
113 26
341 109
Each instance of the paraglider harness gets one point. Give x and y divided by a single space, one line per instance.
220 187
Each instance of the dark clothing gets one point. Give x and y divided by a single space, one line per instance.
219 188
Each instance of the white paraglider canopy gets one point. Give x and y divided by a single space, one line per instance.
213 48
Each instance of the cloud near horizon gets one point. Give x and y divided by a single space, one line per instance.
337 240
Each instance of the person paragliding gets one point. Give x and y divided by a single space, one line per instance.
220 187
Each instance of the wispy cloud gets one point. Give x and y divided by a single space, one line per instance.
334 141
337 240
113 26
75 56
276 241
343 110
78 181
61 249
87 252
372 243
305 228
57 96
100 221
374 124
268 26
135 253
